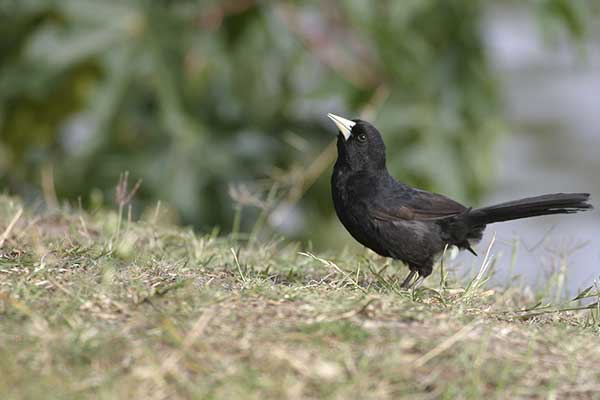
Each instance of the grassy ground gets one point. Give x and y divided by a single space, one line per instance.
92 306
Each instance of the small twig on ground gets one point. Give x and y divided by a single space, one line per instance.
10 227
445 345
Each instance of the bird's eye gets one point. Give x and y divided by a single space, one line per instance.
362 137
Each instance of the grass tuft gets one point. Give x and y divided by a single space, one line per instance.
102 307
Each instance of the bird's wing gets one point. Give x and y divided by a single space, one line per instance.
415 205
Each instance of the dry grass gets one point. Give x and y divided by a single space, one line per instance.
92 306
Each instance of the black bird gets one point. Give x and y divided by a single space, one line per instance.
412 225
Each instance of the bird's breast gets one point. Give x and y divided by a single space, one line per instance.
350 199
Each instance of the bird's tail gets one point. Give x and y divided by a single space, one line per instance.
558 203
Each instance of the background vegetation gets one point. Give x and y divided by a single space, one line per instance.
198 97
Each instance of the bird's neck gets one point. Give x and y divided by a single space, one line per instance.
344 166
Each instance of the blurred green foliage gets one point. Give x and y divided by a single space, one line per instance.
194 96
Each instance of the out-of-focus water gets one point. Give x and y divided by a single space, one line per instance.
552 105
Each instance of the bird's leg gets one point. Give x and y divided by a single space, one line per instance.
417 282
407 281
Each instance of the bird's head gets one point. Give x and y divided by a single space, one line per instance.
360 145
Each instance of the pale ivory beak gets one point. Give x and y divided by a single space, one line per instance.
343 124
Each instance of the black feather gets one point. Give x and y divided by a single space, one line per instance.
413 225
